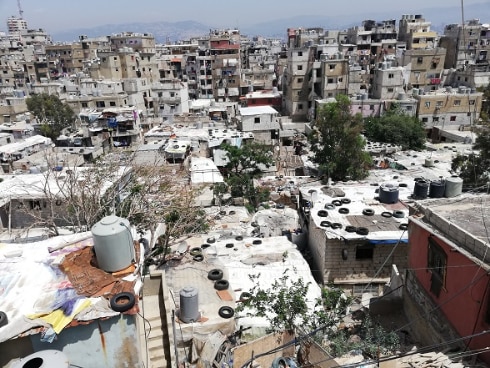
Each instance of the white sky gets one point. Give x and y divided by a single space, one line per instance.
55 15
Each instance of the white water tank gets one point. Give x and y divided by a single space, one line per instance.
43 359
189 304
454 186
113 243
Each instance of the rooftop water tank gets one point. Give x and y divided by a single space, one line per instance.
189 304
454 186
437 188
113 243
43 359
421 189
388 193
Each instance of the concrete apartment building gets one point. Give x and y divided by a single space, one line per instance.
426 67
449 107
466 44
415 31
387 81
224 65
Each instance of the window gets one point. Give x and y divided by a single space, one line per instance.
330 80
300 67
257 120
391 75
100 104
84 104
340 80
452 118
420 59
300 106
435 119
390 89
438 103
300 80
300 53
371 107
364 252
331 66
472 102
457 102
408 108
427 104
436 263
35 205
112 103
424 120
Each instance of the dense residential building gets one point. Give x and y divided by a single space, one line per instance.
415 31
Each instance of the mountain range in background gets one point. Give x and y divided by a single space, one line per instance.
174 31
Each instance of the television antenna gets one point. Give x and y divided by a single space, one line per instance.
21 12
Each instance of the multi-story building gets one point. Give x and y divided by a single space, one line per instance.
449 107
466 44
16 25
169 97
387 81
64 59
225 65
415 31
295 84
426 67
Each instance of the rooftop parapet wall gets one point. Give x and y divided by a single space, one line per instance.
455 233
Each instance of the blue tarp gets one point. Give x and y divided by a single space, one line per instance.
387 241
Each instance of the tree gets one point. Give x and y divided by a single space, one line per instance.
147 195
485 108
396 127
52 114
284 306
474 168
244 164
336 142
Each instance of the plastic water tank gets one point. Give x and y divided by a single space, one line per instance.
454 186
388 193
421 189
189 304
437 188
113 243
43 359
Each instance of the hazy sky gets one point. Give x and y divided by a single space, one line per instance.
55 15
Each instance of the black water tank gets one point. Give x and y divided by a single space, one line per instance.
437 188
421 189
388 193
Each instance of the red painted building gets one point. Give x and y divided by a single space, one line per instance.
262 98
447 285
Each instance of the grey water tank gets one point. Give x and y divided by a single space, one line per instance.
113 243
388 193
43 359
454 186
421 189
437 188
189 304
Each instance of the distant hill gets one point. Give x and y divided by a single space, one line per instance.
174 31
162 31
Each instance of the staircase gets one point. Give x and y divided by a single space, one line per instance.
154 341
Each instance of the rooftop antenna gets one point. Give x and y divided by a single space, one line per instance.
21 12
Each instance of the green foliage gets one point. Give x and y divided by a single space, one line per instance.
52 114
337 144
474 168
284 304
396 127
485 108
244 165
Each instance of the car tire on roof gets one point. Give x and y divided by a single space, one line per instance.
121 302
226 312
3 319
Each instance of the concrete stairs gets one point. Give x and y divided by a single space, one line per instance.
156 341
